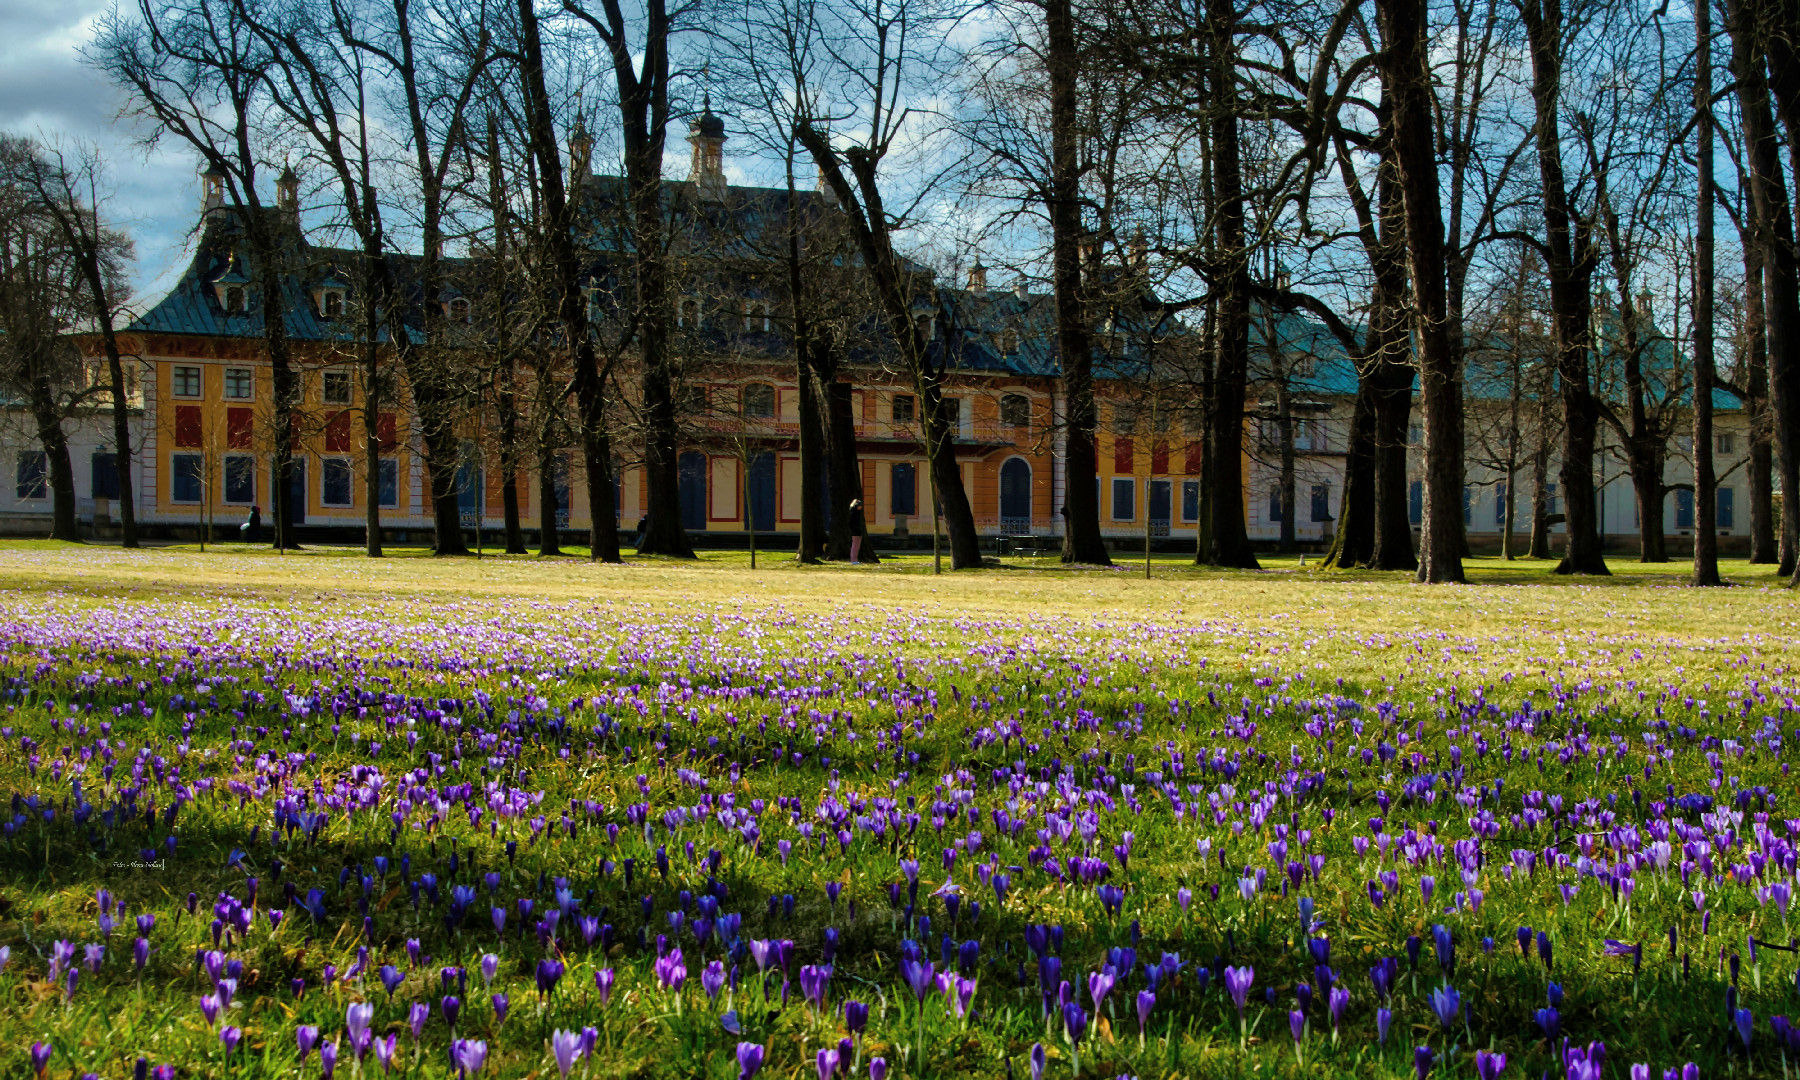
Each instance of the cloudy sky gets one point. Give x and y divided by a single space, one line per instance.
46 90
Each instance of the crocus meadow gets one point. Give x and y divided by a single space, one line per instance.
461 838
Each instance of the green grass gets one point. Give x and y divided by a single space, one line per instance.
717 673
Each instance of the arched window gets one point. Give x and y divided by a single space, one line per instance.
689 317
459 309
331 304
1015 410
234 299
923 323
756 318
759 400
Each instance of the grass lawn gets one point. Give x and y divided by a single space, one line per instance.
697 818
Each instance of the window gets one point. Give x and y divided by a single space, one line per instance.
905 497
1468 504
459 309
188 426
1275 507
1684 509
688 314
952 409
923 324
1124 420
1124 455
1015 410
389 483
1550 499
337 388
1321 502
756 318
240 428
234 299
1305 367
104 471
695 401
186 382
1684 443
1190 500
1009 342
331 303
1415 502
384 432
759 400
903 408
187 479
337 433
240 479
1500 504
33 475
1724 510
1727 442
1124 499
238 384
1311 435
334 481
1415 435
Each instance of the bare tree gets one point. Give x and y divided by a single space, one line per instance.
67 190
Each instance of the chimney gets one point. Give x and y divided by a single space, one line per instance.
1022 288
978 277
287 194
1643 305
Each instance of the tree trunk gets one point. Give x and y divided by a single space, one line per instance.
286 392
571 307
1571 260
813 444
1393 423
549 533
1406 79
1284 419
121 407
844 469
1353 543
1082 542
940 449
1780 271
371 276
1228 538
1755 375
1540 482
1706 535
60 473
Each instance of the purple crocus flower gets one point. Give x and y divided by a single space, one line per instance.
749 1058
328 1055
1145 1002
501 1004
827 1061
416 1017
1100 984
384 1051
1490 1066
1423 1057
1237 984
878 1069
1037 1061
565 1046
1075 1021
1383 1018
1446 1003
40 1057
921 975
306 1036
1340 1000
1297 1025
357 1019
230 1036
391 978
603 982
490 965
469 1054
451 1007
1744 1021
209 1008
140 953
549 973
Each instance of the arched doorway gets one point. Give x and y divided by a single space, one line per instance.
1015 497
762 492
692 466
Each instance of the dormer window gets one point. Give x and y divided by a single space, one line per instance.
230 288
459 309
688 314
331 304
923 323
756 318
1009 342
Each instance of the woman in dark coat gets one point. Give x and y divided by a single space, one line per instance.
856 530
252 526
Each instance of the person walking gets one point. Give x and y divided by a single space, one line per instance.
856 531
251 530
